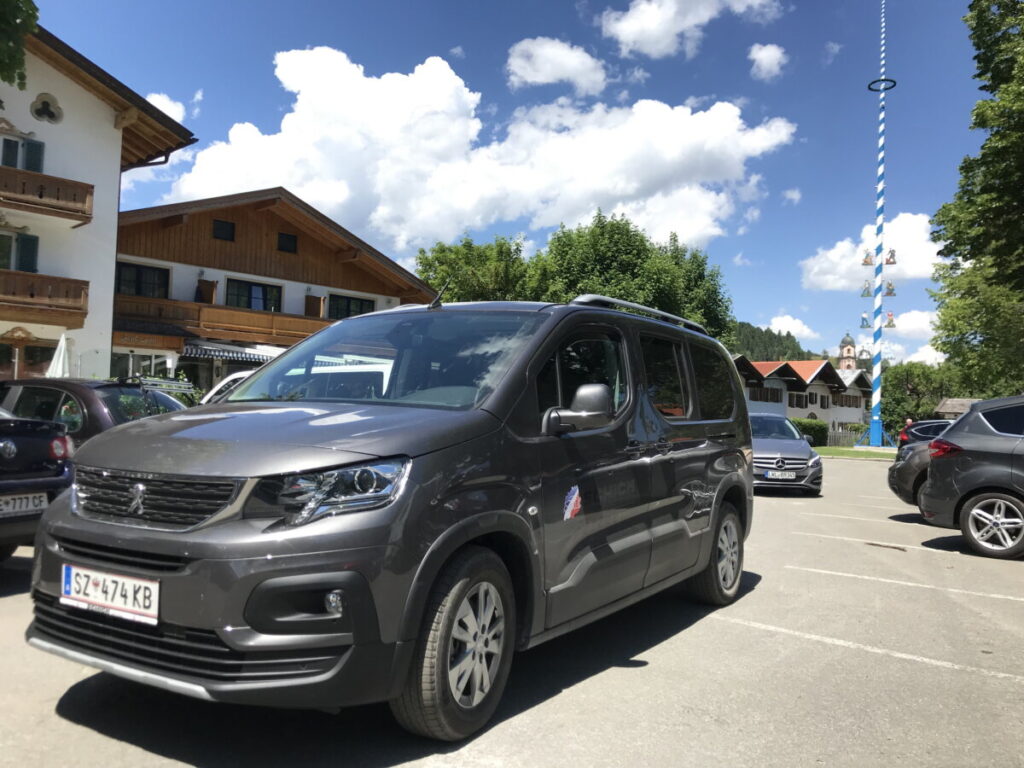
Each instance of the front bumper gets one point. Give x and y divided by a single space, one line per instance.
807 479
21 529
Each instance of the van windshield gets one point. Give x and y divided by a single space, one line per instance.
442 359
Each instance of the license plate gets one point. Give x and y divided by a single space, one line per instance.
774 475
22 504
122 596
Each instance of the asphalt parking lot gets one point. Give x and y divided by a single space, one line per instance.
863 637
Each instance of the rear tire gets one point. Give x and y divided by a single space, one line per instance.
993 525
6 550
719 582
464 651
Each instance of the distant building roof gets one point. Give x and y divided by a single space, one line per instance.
850 378
955 406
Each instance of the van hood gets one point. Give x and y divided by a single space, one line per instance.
255 439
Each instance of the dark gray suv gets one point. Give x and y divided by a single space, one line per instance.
392 507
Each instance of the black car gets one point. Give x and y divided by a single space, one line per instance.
34 468
922 431
396 504
976 478
909 471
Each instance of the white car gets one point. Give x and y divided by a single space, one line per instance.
224 386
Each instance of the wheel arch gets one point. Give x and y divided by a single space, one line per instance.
978 492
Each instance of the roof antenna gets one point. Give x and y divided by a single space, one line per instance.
436 303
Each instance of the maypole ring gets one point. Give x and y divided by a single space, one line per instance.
882 84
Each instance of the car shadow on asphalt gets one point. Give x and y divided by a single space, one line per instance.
908 517
955 543
15 576
213 735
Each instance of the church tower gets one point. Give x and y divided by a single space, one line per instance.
847 353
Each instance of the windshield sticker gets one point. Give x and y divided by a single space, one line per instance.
573 504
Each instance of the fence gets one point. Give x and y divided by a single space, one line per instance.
843 438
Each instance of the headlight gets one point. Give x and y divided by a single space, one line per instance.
815 460
303 498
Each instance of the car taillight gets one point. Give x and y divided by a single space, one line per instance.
60 448
939 449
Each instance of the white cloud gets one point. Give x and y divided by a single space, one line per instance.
544 60
656 28
623 96
794 325
400 157
768 61
457 52
927 354
838 268
637 75
793 196
891 350
831 51
741 261
915 324
131 179
197 99
173 109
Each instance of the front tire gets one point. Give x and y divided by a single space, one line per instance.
719 582
464 651
993 524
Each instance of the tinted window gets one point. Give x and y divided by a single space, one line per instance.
664 383
1009 421
70 414
38 403
287 243
592 361
340 307
223 230
714 376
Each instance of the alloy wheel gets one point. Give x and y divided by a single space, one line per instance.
728 554
996 524
476 644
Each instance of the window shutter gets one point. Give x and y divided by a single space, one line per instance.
6 250
28 253
33 156
10 153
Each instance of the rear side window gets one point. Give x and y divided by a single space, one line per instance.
664 382
38 403
714 377
1009 421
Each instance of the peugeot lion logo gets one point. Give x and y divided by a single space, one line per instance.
780 463
138 491
8 449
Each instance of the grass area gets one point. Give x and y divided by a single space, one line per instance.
857 453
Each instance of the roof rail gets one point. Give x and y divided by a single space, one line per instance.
595 300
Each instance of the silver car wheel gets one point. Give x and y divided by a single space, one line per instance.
996 524
476 643
728 554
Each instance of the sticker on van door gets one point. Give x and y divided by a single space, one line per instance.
573 503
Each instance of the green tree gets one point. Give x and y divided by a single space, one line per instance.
765 344
17 20
476 272
914 390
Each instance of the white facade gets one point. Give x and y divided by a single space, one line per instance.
767 405
83 146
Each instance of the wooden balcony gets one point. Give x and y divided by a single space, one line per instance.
213 321
48 195
30 298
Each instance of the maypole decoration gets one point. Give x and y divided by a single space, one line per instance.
879 86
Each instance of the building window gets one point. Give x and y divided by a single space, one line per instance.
340 307
812 398
242 293
287 243
824 402
20 252
139 280
847 401
765 395
796 400
22 153
223 230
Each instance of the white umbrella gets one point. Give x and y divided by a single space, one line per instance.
60 365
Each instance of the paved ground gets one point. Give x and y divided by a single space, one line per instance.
863 638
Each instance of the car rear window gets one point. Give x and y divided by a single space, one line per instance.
130 403
1009 421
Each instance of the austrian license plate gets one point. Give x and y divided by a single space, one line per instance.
22 504
122 596
775 475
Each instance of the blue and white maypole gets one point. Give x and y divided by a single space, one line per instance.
881 85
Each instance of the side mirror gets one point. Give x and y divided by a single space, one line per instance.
591 408
809 439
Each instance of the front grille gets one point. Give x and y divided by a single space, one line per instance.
169 501
119 558
179 651
771 463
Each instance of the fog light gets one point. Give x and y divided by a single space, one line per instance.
334 602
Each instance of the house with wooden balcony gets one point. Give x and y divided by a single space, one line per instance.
222 284
63 142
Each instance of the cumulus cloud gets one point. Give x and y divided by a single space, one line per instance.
544 60
831 51
838 268
794 325
400 156
768 61
174 109
197 99
793 196
457 52
637 75
915 324
927 354
131 179
657 28
891 350
741 261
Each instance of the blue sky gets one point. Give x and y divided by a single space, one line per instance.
744 125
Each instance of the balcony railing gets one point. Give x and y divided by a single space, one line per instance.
49 195
213 321
30 298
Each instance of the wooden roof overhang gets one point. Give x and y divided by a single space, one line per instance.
750 375
785 373
148 136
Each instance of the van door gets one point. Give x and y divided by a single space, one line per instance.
594 482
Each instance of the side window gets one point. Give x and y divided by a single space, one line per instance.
38 403
592 360
714 382
547 386
70 414
1009 421
664 383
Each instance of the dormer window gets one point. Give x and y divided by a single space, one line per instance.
18 152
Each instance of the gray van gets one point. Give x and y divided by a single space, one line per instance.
391 508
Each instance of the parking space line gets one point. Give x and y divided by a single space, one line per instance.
851 517
904 508
906 583
874 543
883 498
871 649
